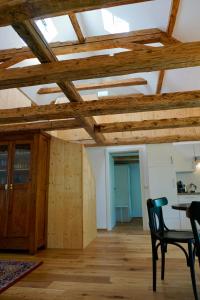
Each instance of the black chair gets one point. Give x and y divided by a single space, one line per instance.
161 236
193 212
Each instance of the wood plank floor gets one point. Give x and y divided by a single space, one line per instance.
116 265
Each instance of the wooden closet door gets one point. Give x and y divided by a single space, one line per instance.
5 166
19 210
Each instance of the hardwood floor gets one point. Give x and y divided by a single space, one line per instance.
135 226
117 265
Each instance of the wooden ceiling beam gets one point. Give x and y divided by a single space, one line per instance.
94 43
163 58
120 105
148 125
170 29
30 33
173 17
18 11
97 86
11 62
160 81
45 126
76 27
150 140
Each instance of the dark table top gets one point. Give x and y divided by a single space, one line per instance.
181 206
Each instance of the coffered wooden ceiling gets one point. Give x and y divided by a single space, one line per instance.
122 118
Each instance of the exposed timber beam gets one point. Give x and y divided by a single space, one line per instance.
150 140
91 97
18 11
160 81
162 58
76 27
100 85
94 43
30 33
45 126
173 17
170 29
11 62
148 125
110 106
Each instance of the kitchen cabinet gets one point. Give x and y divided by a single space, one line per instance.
184 158
160 155
23 191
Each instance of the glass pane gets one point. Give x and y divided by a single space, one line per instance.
22 163
3 164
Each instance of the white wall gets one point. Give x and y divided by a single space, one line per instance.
98 162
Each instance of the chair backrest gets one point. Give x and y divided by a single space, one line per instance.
193 212
156 221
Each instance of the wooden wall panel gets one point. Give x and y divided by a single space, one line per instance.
56 192
89 202
73 210
67 195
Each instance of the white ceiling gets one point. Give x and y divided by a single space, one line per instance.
152 14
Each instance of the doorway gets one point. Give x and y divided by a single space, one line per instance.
126 190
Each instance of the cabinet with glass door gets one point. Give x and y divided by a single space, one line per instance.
21 181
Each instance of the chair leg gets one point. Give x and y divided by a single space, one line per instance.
154 264
192 270
154 272
162 247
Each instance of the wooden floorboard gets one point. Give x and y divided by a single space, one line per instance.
116 265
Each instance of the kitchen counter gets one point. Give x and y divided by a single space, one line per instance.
186 198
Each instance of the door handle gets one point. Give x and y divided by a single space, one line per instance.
11 187
6 187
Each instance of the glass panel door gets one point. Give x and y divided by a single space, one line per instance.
3 164
22 163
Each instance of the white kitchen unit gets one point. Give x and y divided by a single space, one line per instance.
184 158
184 220
160 155
162 180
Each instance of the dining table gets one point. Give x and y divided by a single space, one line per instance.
181 206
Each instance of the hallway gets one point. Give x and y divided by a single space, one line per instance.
135 226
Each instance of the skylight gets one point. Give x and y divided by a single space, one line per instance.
47 28
114 24
102 93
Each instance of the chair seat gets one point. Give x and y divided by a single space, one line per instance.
177 236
